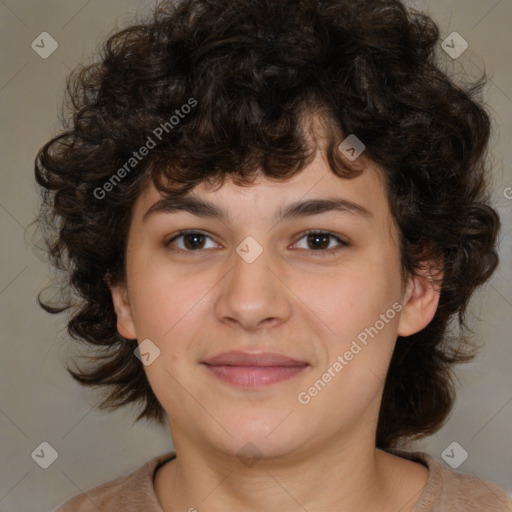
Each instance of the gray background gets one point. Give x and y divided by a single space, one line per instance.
38 399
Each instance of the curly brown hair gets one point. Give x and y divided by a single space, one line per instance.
250 70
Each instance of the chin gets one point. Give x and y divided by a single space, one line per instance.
252 449
262 435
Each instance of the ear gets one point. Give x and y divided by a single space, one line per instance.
420 302
125 325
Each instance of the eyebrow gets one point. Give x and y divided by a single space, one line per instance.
297 209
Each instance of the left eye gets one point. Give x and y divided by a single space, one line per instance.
317 238
194 240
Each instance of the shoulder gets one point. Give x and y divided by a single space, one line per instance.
448 489
134 491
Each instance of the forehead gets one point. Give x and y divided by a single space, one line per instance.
364 194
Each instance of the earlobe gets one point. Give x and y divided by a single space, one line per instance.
420 304
122 307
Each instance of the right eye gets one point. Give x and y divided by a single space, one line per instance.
193 240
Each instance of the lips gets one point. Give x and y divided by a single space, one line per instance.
253 370
262 359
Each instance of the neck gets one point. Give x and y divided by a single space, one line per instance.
353 476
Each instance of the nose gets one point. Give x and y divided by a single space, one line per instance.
254 295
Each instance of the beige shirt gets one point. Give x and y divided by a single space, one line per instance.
447 490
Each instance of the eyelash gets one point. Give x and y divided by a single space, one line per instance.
321 252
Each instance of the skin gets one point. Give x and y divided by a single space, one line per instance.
192 306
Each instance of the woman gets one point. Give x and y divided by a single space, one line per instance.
271 211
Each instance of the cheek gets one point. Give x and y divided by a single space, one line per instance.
153 297
360 310
169 305
351 298
164 310
357 346
169 309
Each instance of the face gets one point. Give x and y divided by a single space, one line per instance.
256 282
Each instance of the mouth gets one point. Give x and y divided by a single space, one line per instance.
253 370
